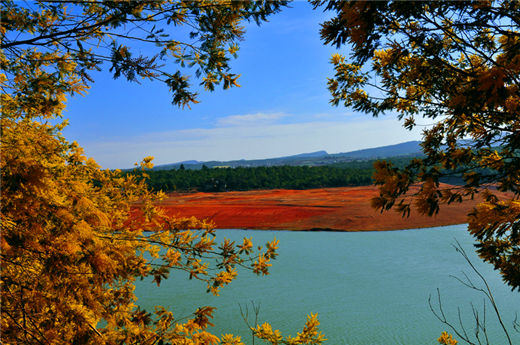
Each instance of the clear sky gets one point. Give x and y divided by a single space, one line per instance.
282 107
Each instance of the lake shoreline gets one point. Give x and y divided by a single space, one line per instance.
325 209
340 230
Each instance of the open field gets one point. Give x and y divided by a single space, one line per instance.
340 209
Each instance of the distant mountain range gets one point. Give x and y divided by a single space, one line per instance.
410 148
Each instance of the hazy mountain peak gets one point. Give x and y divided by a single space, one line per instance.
311 158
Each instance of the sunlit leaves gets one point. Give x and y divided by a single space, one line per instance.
59 44
230 339
74 239
447 339
496 225
309 335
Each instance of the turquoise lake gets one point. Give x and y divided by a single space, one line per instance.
368 288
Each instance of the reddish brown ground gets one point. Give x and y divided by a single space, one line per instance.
342 209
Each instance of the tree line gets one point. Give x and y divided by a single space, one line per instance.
222 179
247 178
357 173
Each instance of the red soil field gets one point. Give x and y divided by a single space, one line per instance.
334 209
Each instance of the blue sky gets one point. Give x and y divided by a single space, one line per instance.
282 107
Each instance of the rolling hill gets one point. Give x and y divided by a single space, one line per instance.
318 158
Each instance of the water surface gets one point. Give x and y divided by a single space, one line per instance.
368 288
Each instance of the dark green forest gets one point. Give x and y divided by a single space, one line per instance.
356 173
284 177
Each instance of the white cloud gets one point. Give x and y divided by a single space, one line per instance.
249 119
250 142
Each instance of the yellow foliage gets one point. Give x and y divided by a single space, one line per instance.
446 339
229 339
246 246
309 335
73 243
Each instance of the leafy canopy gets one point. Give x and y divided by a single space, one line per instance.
55 44
75 237
456 64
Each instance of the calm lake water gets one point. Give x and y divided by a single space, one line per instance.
368 288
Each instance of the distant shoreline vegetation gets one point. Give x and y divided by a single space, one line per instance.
222 179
